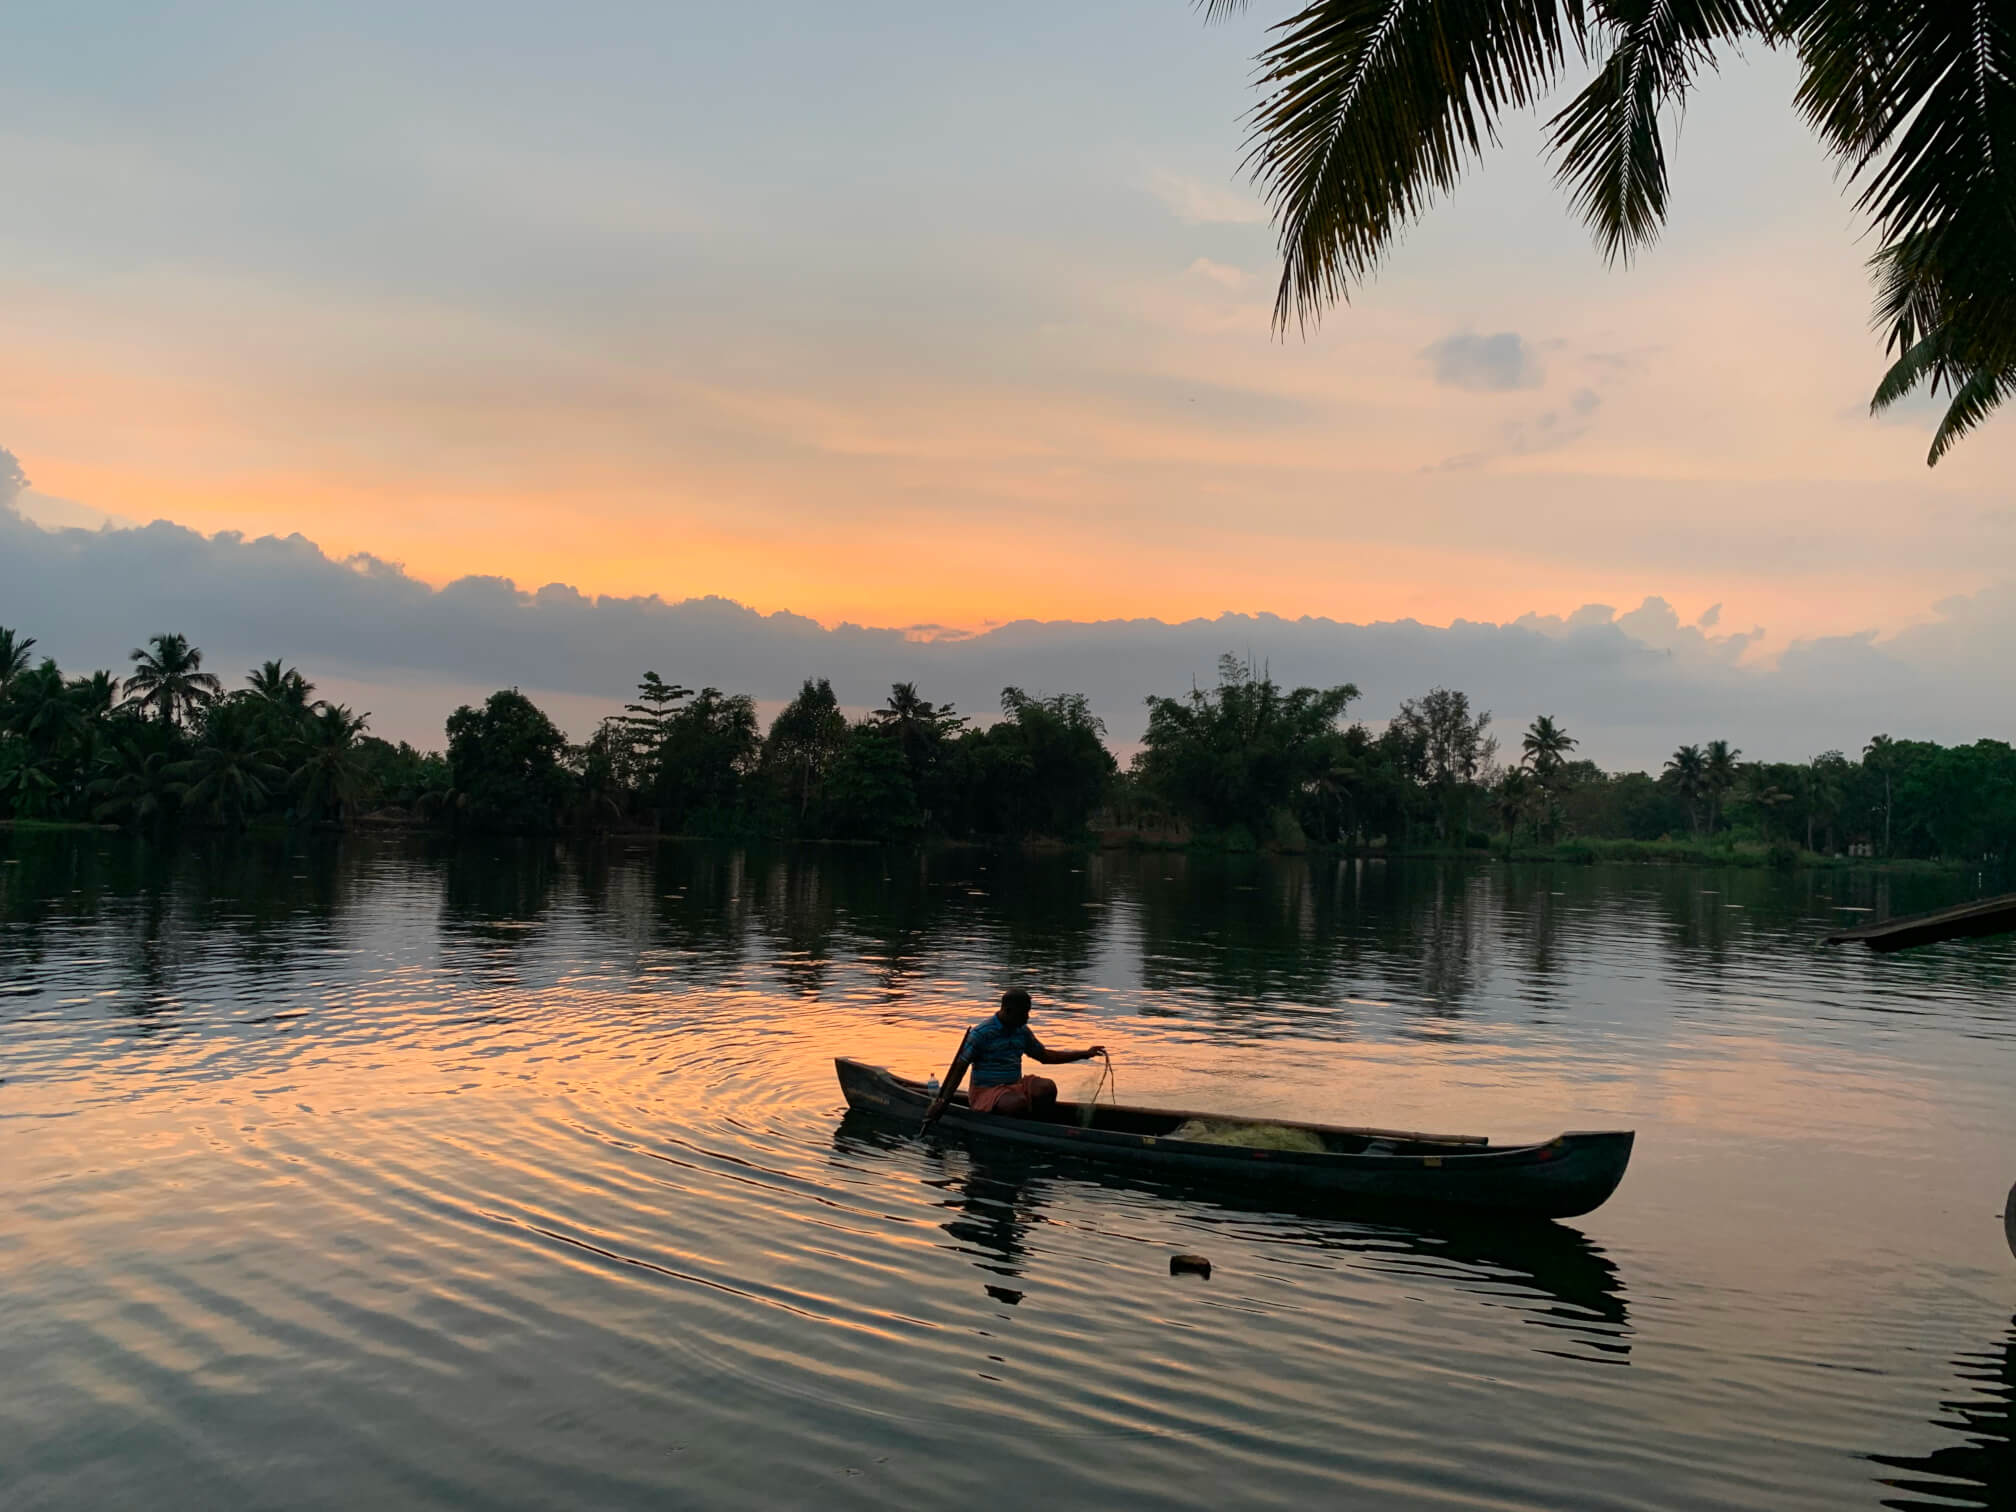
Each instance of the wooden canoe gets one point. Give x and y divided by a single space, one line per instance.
1986 916
1562 1177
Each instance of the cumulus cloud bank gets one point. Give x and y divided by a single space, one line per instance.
1632 685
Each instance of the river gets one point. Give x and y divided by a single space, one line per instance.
384 1172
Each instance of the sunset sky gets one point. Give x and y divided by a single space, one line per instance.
924 315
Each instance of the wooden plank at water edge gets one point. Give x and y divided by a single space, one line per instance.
1989 916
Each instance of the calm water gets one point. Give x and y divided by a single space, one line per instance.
382 1174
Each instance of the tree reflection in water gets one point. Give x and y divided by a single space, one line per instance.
1981 1472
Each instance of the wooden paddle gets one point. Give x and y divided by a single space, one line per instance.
954 1075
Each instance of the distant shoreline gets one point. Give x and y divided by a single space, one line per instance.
1741 855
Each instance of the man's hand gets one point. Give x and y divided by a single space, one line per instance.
1092 1054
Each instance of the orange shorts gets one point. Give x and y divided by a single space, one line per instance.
982 1099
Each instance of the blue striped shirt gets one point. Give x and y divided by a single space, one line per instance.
995 1051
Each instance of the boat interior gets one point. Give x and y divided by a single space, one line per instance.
1251 1133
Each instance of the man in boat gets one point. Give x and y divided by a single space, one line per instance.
993 1049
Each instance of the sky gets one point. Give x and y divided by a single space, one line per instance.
929 319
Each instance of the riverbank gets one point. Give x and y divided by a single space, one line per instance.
1749 854
1740 853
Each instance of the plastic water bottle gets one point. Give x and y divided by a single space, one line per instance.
931 1086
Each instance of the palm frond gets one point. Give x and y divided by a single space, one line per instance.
1374 107
1945 336
1606 140
1919 104
1975 400
1904 375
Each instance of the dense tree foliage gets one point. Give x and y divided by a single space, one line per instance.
805 740
176 746
1240 756
1042 769
506 761
1244 764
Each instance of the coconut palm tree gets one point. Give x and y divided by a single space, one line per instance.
1881 755
45 713
168 677
331 770
1767 797
1687 772
133 785
283 686
919 725
231 776
1719 774
28 786
97 692
1513 798
1372 108
14 661
1546 746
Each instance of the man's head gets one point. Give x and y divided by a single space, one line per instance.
1014 1008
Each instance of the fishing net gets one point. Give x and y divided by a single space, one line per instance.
1251 1136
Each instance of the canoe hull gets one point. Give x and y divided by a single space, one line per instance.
1564 1177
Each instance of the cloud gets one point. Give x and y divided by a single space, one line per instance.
1197 203
1223 274
13 481
1631 686
1492 364
58 513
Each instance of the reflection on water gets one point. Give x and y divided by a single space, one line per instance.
386 1171
1548 1273
1981 1470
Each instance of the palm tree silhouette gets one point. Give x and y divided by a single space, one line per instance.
1881 755
13 657
917 722
133 784
331 770
1373 107
1718 778
46 713
168 676
282 686
1687 771
1513 800
231 777
1546 746
95 694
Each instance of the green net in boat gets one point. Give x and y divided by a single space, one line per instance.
1251 1136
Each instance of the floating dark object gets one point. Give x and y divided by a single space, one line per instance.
1989 916
1006 1294
1190 1265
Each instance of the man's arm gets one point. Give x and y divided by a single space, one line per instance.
954 1074
1064 1057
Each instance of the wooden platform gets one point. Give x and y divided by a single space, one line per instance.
1989 916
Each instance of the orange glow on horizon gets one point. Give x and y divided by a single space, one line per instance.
1207 470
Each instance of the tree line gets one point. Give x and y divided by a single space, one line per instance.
1242 764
